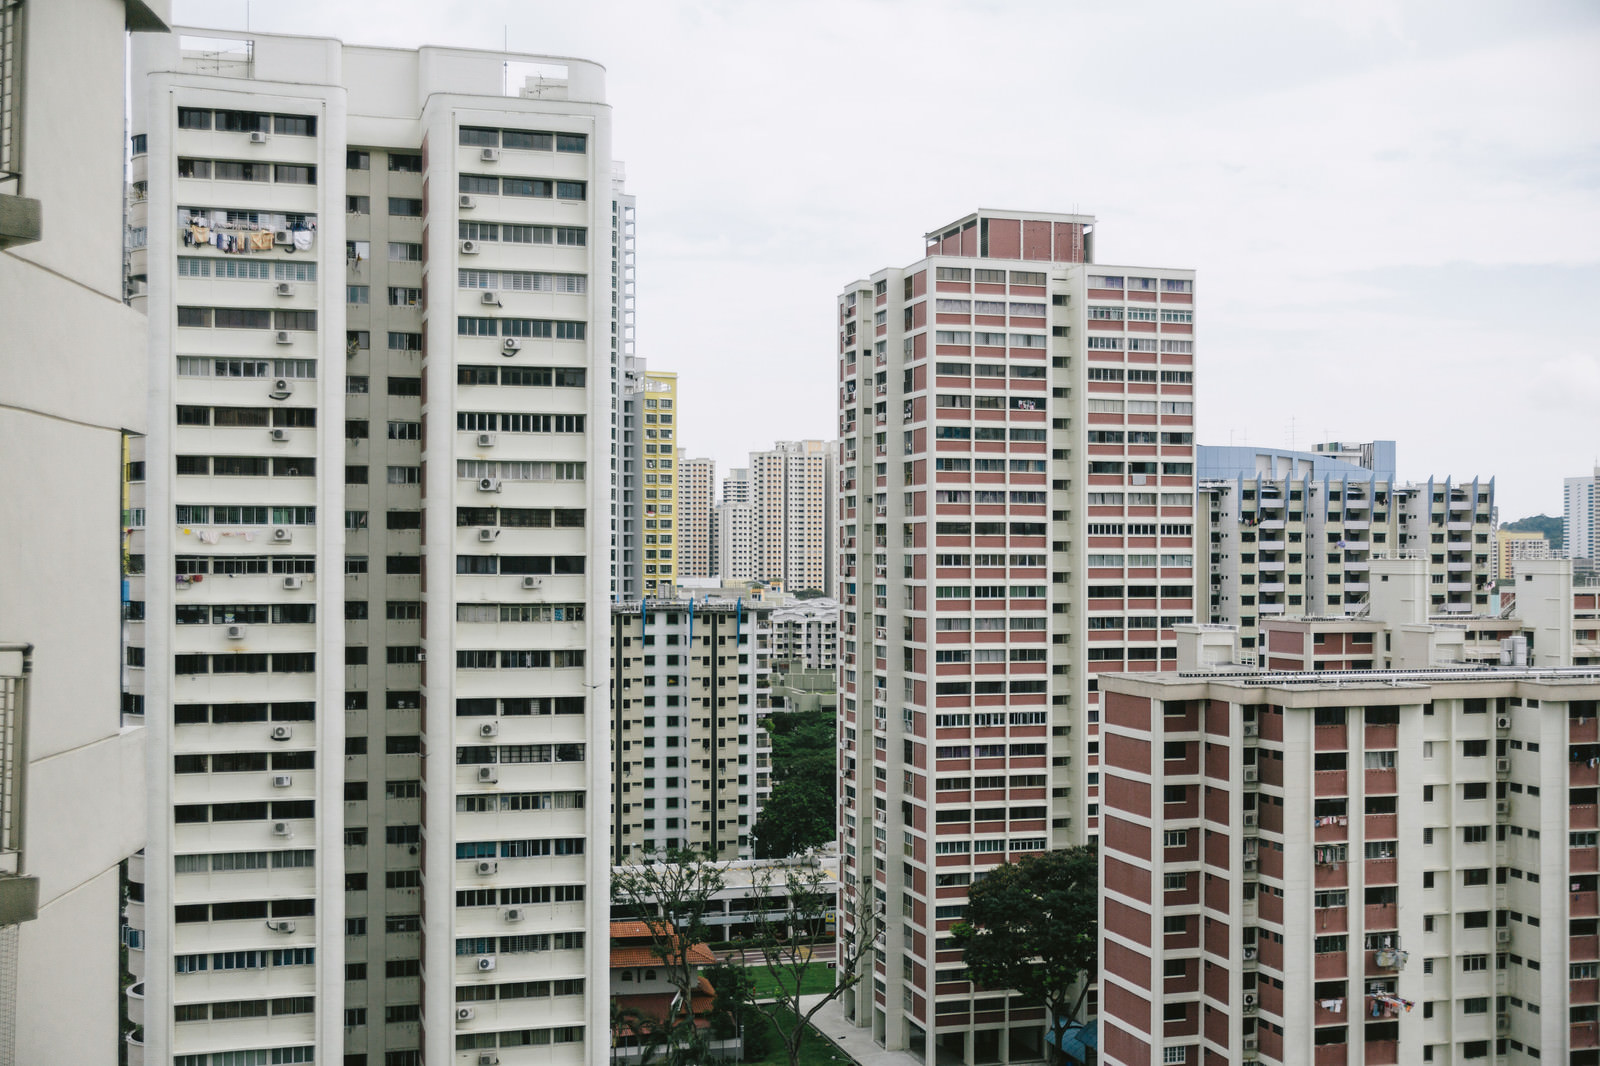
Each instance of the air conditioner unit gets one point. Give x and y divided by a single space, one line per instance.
282 236
489 155
280 925
1248 1043
1502 764
1503 723
469 247
1252 729
515 914
1251 775
293 581
258 136
281 387
530 582
285 289
490 298
488 775
282 535
284 338
1250 954
488 536
1248 1003
464 1014
282 732
485 867
486 440
282 780
511 344
487 1058
488 484
1502 936
422 656
281 829
1502 808
1249 819
489 729
280 434
236 632
1502 1022
468 202
486 962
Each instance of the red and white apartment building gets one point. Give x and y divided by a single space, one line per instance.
1350 866
1015 496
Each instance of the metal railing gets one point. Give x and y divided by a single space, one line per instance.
11 26
13 750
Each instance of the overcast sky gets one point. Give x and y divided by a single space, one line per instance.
1394 208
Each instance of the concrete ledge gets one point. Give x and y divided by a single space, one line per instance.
19 899
21 220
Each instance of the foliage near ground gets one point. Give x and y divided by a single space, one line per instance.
1032 926
815 1049
799 812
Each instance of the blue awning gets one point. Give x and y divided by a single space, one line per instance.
1078 1042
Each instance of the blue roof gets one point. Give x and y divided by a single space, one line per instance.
1077 1041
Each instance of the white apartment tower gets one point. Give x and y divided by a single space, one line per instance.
379 286
1580 516
1015 500
791 507
697 486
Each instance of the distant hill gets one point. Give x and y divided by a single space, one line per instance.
1539 523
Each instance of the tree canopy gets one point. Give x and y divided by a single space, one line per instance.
799 812
1540 523
1033 926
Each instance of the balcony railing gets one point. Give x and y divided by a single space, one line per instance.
19 894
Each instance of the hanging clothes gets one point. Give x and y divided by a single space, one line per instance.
261 241
302 240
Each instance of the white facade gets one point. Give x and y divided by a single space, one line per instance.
806 634
72 378
735 541
697 482
1580 516
791 509
496 407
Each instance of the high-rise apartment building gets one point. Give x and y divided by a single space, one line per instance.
1386 867
1304 545
684 689
72 383
697 486
624 364
376 575
1580 516
1015 496
736 486
657 482
791 513
733 529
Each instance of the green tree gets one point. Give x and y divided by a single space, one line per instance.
1033 926
735 992
799 812
1552 528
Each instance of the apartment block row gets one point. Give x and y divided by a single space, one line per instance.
1300 538
1375 866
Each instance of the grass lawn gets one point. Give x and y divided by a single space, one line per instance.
818 978
815 1050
